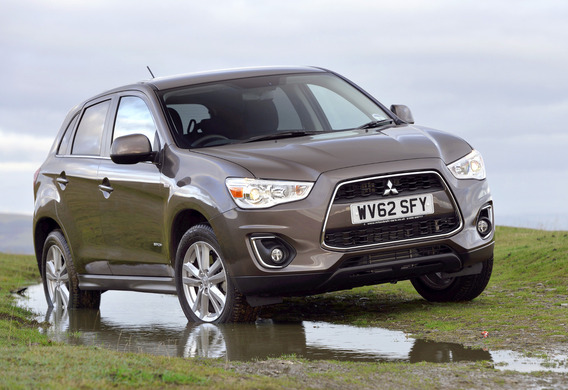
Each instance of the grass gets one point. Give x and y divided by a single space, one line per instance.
15 324
523 301
521 309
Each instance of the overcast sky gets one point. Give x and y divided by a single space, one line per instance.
494 72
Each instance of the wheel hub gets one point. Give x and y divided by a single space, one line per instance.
58 278
206 284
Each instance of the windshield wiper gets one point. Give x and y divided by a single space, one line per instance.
375 124
280 135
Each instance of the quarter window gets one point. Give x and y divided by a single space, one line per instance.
134 117
64 144
90 131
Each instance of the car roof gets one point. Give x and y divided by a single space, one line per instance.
168 82
162 83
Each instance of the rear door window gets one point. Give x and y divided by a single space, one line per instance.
88 139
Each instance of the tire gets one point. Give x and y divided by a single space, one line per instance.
60 282
206 293
433 288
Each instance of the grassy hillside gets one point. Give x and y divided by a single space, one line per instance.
524 308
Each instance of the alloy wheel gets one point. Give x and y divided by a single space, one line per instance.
57 277
204 281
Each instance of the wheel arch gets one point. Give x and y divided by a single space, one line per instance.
183 221
42 228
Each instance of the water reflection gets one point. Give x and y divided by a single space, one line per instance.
262 340
155 324
435 352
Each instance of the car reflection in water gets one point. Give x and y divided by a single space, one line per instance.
150 323
262 340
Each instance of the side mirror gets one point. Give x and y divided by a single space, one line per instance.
403 112
131 149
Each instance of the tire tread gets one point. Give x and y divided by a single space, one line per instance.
78 299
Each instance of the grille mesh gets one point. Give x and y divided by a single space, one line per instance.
406 254
382 233
407 184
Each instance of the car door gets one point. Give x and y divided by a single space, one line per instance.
132 196
77 182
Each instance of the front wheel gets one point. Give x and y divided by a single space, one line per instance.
204 289
435 288
60 281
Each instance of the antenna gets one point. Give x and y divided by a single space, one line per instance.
150 70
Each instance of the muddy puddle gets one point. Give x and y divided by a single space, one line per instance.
155 324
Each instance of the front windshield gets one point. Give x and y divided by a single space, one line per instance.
253 108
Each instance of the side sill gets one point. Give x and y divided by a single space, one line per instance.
161 285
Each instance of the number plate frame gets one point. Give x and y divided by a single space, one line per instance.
381 210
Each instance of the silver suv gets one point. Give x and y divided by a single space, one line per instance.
233 189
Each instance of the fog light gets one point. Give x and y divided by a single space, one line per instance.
272 251
277 255
483 226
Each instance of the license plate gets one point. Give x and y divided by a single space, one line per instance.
394 208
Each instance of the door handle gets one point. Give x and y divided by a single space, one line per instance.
106 188
62 180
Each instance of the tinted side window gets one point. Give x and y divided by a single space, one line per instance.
134 117
90 131
64 144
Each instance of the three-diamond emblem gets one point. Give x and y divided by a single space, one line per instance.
390 189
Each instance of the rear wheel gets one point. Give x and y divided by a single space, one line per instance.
435 288
205 291
60 282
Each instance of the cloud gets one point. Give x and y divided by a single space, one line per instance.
491 72
22 150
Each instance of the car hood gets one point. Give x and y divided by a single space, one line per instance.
305 158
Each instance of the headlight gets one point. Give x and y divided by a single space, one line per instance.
257 194
469 167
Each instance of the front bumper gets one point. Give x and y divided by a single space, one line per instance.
342 278
317 267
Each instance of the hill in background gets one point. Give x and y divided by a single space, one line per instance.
16 234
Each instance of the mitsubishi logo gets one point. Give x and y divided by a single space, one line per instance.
390 189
